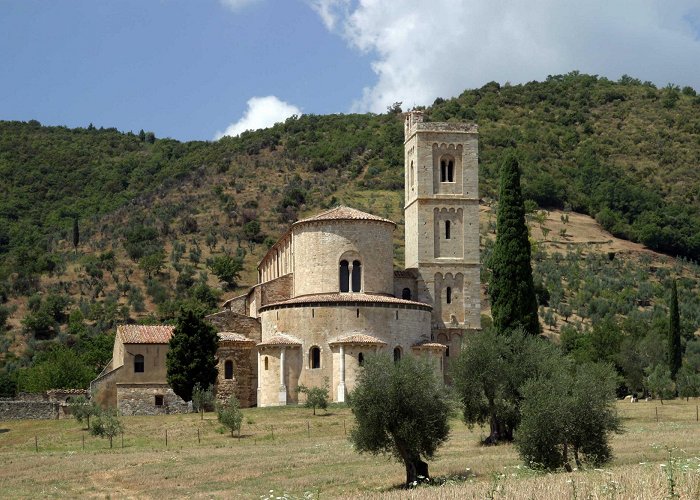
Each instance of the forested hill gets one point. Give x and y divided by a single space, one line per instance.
155 220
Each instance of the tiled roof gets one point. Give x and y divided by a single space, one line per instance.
345 213
429 345
145 334
325 298
233 337
281 339
358 338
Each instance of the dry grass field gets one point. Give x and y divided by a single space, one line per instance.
297 455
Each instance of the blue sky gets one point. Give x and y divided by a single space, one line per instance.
196 69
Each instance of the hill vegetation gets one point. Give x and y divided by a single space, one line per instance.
99 227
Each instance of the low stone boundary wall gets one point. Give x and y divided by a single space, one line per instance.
135 399
23 410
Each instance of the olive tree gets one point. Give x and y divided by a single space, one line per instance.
402 409
229 414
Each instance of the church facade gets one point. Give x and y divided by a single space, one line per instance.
328 295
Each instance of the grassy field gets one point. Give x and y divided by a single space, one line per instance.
294 454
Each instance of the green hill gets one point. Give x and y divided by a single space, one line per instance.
154 215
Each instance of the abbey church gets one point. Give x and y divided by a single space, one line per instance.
328 295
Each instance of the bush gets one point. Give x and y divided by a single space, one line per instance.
230 415
316 397
107 425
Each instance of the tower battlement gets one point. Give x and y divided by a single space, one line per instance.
413 122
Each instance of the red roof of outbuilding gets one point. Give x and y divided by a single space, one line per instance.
145 334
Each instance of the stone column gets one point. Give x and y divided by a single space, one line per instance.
283 388
341 385
260 374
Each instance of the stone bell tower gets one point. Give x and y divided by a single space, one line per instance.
442 222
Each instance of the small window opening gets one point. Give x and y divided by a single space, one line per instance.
449 295
397 314
315 358
159 400
344 276
312 313
447 230
443 171
356 276
447 352
358 312
228 369
397 354
450 171
138 363
406 294
411 173
361 359
265 362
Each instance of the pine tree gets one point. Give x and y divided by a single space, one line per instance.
674 334
513 299
191 356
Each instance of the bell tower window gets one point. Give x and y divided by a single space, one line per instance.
447 230
448 295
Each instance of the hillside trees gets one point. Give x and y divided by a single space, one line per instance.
191 355
401 409
675 354
513 299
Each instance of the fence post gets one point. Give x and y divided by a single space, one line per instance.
83 436
122 439
308 429
272 428
166 437
345 431
36 443
656 409
199 439
696 413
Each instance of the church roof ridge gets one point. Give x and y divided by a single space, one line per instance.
343 212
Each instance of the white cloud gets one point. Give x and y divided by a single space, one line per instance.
423 50
262 112
237 4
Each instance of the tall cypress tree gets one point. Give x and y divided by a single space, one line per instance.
513 300
674 334
191 355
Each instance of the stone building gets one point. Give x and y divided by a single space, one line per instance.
328 295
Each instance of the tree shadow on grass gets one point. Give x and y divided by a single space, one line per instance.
4 430
457 477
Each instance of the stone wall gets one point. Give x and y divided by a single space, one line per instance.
320 246
34 410
227 321
137 399
244 381
277 290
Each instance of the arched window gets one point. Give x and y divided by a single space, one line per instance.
448 294
450 171
266 362
361 359
228 369
443 171
356 276
397 354
344 276
447 352
406 294
315 357
138 363
447 229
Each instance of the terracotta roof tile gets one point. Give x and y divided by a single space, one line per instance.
324 298
281 339
429 345
344 213
358 338
145 334
233 337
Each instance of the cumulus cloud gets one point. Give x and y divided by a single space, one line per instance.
262 112
237 4
423 50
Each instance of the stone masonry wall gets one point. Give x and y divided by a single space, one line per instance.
34 410
133 399
227 321
277 290
244 381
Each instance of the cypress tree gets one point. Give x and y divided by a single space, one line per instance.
513 300
191 355
76 234
674 334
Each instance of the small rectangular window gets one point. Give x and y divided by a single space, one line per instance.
159 400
